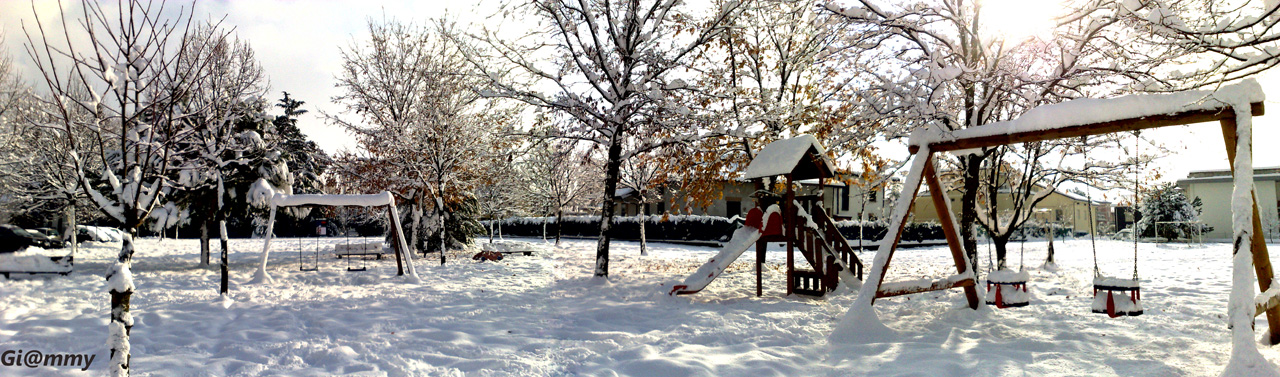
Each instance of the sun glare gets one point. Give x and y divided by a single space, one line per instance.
1018 20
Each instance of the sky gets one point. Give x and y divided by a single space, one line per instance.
298 45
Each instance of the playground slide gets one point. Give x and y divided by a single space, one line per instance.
743 239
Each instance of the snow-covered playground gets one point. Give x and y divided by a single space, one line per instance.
543 315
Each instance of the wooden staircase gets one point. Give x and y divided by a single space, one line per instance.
822 245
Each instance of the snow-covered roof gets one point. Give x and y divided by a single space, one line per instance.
1227 178
785 156
814 182
623 192
1090 111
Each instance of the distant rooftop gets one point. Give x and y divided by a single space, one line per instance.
1227 173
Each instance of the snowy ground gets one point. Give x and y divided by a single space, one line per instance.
543 315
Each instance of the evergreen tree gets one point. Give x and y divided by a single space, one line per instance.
306 160
1167 202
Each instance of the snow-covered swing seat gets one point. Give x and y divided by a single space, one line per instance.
1113 296
1008 288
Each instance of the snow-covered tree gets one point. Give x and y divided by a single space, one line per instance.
225 116
306 161
497 180
1224 40
1167 202
556 176
646 177
612 67
941 62
124 66
776 73
423 125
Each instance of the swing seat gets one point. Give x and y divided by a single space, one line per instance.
1116 297
1008 289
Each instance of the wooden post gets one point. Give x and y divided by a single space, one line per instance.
760 248
1258 246
395 241
910 197
788 225
943 206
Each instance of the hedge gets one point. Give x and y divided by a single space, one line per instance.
693 228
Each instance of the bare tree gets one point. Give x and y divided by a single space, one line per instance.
612 69
937 62
130 65
645 176
423 124
556 176
219 102
1015 178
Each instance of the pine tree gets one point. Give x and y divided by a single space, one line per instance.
306 160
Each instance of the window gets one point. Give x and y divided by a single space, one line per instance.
662 207
732 208
844 198
873 196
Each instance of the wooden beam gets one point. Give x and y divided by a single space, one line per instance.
897 230
943 206
938 285
1122 125
1258 246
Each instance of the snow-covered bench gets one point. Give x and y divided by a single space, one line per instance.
510 247
359 249
34 264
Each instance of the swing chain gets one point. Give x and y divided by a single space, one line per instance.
1137 145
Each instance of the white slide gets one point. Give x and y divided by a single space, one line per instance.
742 240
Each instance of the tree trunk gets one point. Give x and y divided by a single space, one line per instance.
204 241
222 243
491 221
969 207
415 211
72 226
1048 260
500 231
1002 250
612 167
120 287
643 219
444 234
559 218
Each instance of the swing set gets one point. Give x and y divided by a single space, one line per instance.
348 249
1088 117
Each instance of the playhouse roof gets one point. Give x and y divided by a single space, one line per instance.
786 156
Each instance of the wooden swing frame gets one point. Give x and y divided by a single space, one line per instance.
1224 114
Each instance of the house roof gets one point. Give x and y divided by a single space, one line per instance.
788 156
1227 178
924 191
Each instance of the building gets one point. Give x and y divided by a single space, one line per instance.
1214 190
1060 207
843 202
